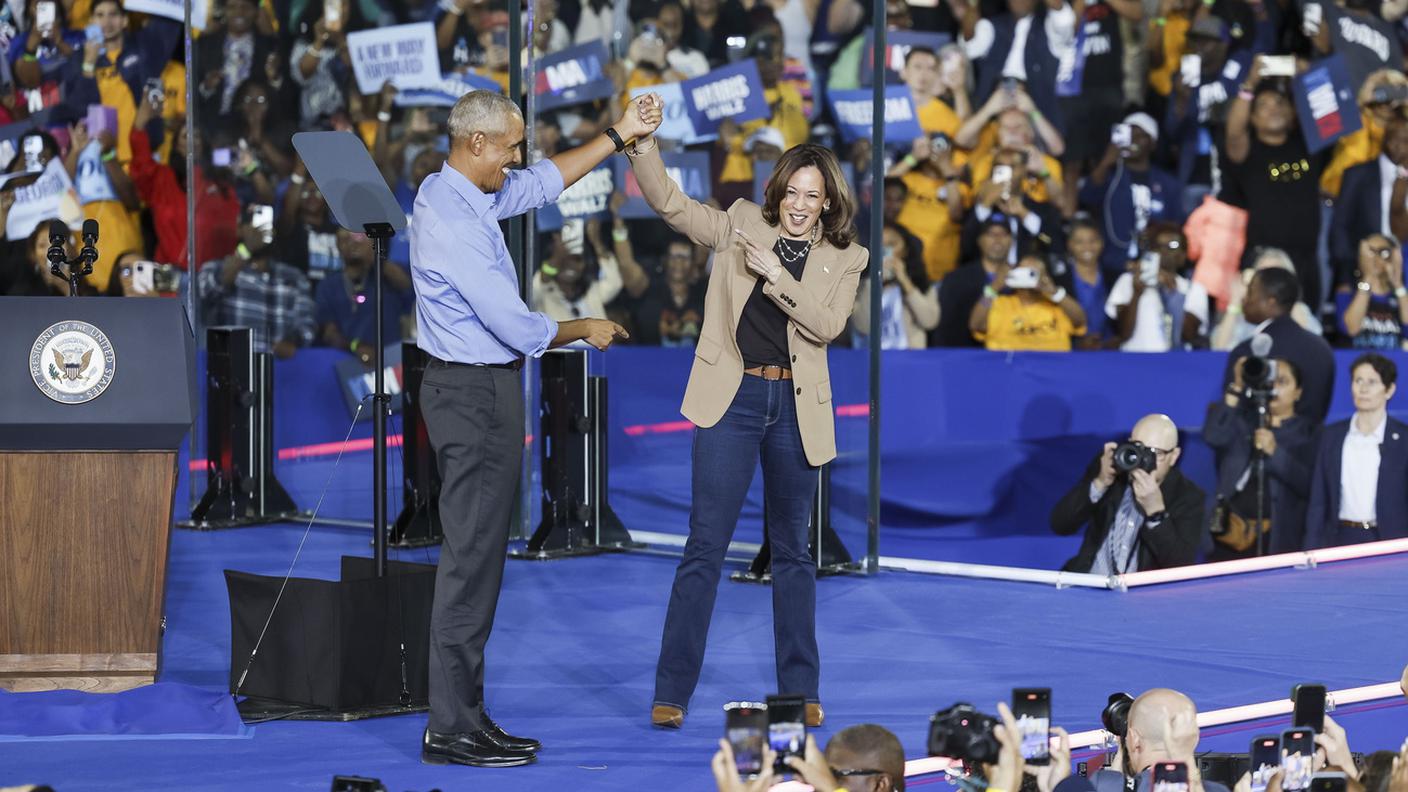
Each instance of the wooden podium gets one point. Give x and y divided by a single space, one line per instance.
86 487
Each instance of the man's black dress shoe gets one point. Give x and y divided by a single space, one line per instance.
476 749
503 739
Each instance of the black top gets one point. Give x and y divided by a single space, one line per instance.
959 291
1279 186
762 329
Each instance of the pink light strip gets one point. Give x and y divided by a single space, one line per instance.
1283 560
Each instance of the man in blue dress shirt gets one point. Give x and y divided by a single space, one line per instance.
477 331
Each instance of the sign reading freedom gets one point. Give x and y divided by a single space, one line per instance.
734 92
854 109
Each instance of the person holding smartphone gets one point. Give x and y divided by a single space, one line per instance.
1154 306
225 59
48 46
783 285
1374 314
1024 309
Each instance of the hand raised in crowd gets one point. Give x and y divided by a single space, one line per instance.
1059 767
212 81
813 768
146 111
726 771
760 262
387 97
921 149
1334 748
1106 478
999 277
1146 491
78 136
1007 773
106 141
1398 778
1046 285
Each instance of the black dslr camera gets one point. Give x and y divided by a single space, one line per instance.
961 732
1134 455
1115 717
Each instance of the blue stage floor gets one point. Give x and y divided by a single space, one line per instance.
573 650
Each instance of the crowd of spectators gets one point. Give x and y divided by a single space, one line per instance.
1130 159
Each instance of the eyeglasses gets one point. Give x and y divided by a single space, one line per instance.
855 771
256 100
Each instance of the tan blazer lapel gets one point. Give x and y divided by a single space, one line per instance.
821 270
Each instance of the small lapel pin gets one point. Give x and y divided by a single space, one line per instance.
1395 435
825 268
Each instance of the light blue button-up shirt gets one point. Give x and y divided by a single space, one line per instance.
467 301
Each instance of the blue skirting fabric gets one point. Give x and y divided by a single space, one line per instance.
165 711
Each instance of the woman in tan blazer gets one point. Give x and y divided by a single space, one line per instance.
782 286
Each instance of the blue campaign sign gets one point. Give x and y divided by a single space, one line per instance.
447 91
688 169
588 199
898 43
1325 103
573 76
853 111
734 91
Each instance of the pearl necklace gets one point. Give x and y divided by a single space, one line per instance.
785 251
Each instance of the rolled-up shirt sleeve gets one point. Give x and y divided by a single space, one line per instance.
528 188
490 293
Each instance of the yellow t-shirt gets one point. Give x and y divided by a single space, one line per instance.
936 117
1358 148
122 233
114 93
1037 326
789 119
1175 33
925 215
980 169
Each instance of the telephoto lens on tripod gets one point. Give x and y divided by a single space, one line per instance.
1259 370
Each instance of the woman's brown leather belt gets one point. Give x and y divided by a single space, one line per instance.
770 372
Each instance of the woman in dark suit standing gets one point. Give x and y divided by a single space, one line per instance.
1357 493
782 287
1288 444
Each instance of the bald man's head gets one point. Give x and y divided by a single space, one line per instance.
1159 432
868 747
1163 725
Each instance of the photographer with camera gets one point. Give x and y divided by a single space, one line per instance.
1161 725
1155 308
934 197
991 750
1264 461
1357 493
1141 512
1023 309
1373 315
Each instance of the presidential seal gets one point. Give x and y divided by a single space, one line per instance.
72 362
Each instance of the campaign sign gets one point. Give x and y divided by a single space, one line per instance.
734 91
358 381
172 9
853 111
688 169
573 76
1325 103
898 43
404 54
588 199
676 124
446 92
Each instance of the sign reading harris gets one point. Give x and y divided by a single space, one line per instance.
1325 103
588 199
853 111
898 43
734 92
404 54
688 169
573 76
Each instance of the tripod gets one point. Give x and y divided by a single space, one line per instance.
1261 399
77 268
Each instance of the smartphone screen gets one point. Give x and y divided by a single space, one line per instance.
1190 68
1297 759
1001 174
1170 777
746 729
1329 782
143 277
262 219
44 14
332 14
1265 757
220 158
787 729
1310 707
1032 709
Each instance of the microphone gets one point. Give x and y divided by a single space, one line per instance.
1261 345
90 232
58 232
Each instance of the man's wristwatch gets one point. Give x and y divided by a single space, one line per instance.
615 138
1156 518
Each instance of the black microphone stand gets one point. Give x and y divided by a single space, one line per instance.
77 268
1263 420
379 234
